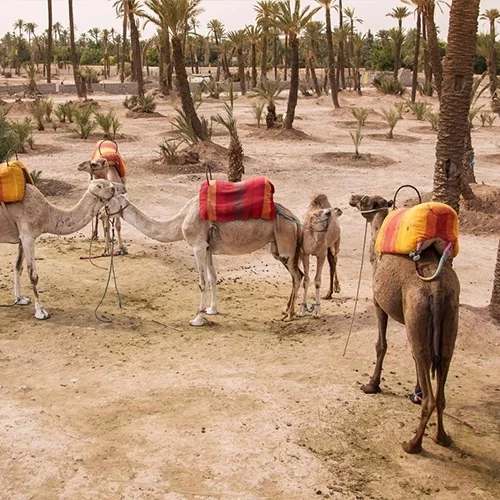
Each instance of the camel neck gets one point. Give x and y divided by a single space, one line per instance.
60 221
376 224
165 231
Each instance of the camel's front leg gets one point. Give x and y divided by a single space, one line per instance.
305 263
18 270
200 254
106 229
118 228
95 228
29 250
374 385
212 280
317 284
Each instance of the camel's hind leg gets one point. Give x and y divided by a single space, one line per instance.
374 385
200 254
320 262
29 250
118 229
442 373
212 280
305 263
95 228
332 256
18 270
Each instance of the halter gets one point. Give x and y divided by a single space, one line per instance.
119 212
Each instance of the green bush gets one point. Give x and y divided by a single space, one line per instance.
85 125
109 123
361 114
388 85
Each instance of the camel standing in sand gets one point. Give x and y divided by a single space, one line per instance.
101 169
23 221
321 238
227 238
428 309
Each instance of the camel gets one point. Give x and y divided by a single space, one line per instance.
226 238
428 309
23 221
321 238
101 169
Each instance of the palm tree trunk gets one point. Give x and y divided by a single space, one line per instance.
183 87
341 56
294 83
49 43
397 56
427 66
331 61
275 58
162 74
495 293
263 61
168 61
136 53
433 45
492 66
414 79
254 65
286 59
241 71
458 73
314 77
81 91
124 42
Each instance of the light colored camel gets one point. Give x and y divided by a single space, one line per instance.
428 309
227 238
23 221
101 169
321 238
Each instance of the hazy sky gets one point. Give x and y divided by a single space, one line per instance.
234 14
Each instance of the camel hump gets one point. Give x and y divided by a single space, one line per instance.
320 201
13 179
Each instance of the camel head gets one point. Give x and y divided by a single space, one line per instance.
370 205
104 190
99 165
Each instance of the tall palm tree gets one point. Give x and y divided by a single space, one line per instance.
216 29
237 40
492 16
314 32
134 10
265 12
19 25
417 4
327 4
105 39
458 71
292 22
121 8
49 42
30 28
254 34
495 293
398 13
79 83
351 15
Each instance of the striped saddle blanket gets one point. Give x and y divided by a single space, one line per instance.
229 201
411 230
109 151
13 179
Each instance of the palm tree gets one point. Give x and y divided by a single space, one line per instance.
327 4
30 28
314 32
121 8
416 54
341 56
105 37
495 293
57 27
351 15
398 13
292 22
358 43
254 34
133 10
237 40
19 25
216 28
79 83
458 71
265 12
492 16
49 42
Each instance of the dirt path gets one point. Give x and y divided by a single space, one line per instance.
147 407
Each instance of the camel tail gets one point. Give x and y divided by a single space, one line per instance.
436 332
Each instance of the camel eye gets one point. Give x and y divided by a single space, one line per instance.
376 204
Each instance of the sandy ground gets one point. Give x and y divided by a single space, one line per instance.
147 407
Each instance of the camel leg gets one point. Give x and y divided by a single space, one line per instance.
95 228
320 262
332 266
442 373
118 229
303 305
18 270
212 280
374 385
335 252
106 229
29 250
428 402
200 254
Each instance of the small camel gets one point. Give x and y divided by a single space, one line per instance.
321 238
428 309
227 238
23 221
101 169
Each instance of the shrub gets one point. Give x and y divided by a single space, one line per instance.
22 133
401 107
138 104
183 127
35 176
391 117
212 88
269 90
433 118
37 109
8 74
419 108
49 107
109 123
356 137
169 149
361 114
426 89
388 85
257 110
84 123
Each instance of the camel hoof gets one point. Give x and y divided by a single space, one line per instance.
198 321
329 296
211 311
316 315
370 389
443 439
337 290
121 251
21 301
287 317
41 314
411 448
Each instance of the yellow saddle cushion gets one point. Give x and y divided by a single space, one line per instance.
406 230
13 179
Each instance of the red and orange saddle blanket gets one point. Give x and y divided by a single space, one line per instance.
13 179
109 151
224 201
411 230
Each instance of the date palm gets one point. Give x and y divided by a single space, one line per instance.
314 33
265 13
237 40
495 293
49 41
19 25
458 71
292 21
351 15
327 5
216 29
492 16
81 89
398 13
254 34
121 8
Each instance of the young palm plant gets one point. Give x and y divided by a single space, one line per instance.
391 117
401 108
420 109
269 90
37 110
433 117
357 138
257 110
109 123
85 125
361 114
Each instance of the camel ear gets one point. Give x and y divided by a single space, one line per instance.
84 166
119 188
390 203
338 212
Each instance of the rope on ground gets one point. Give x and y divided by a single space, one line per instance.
357 291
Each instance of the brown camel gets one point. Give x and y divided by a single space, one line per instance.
227 238
428 309
23 221
101 169
321 238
